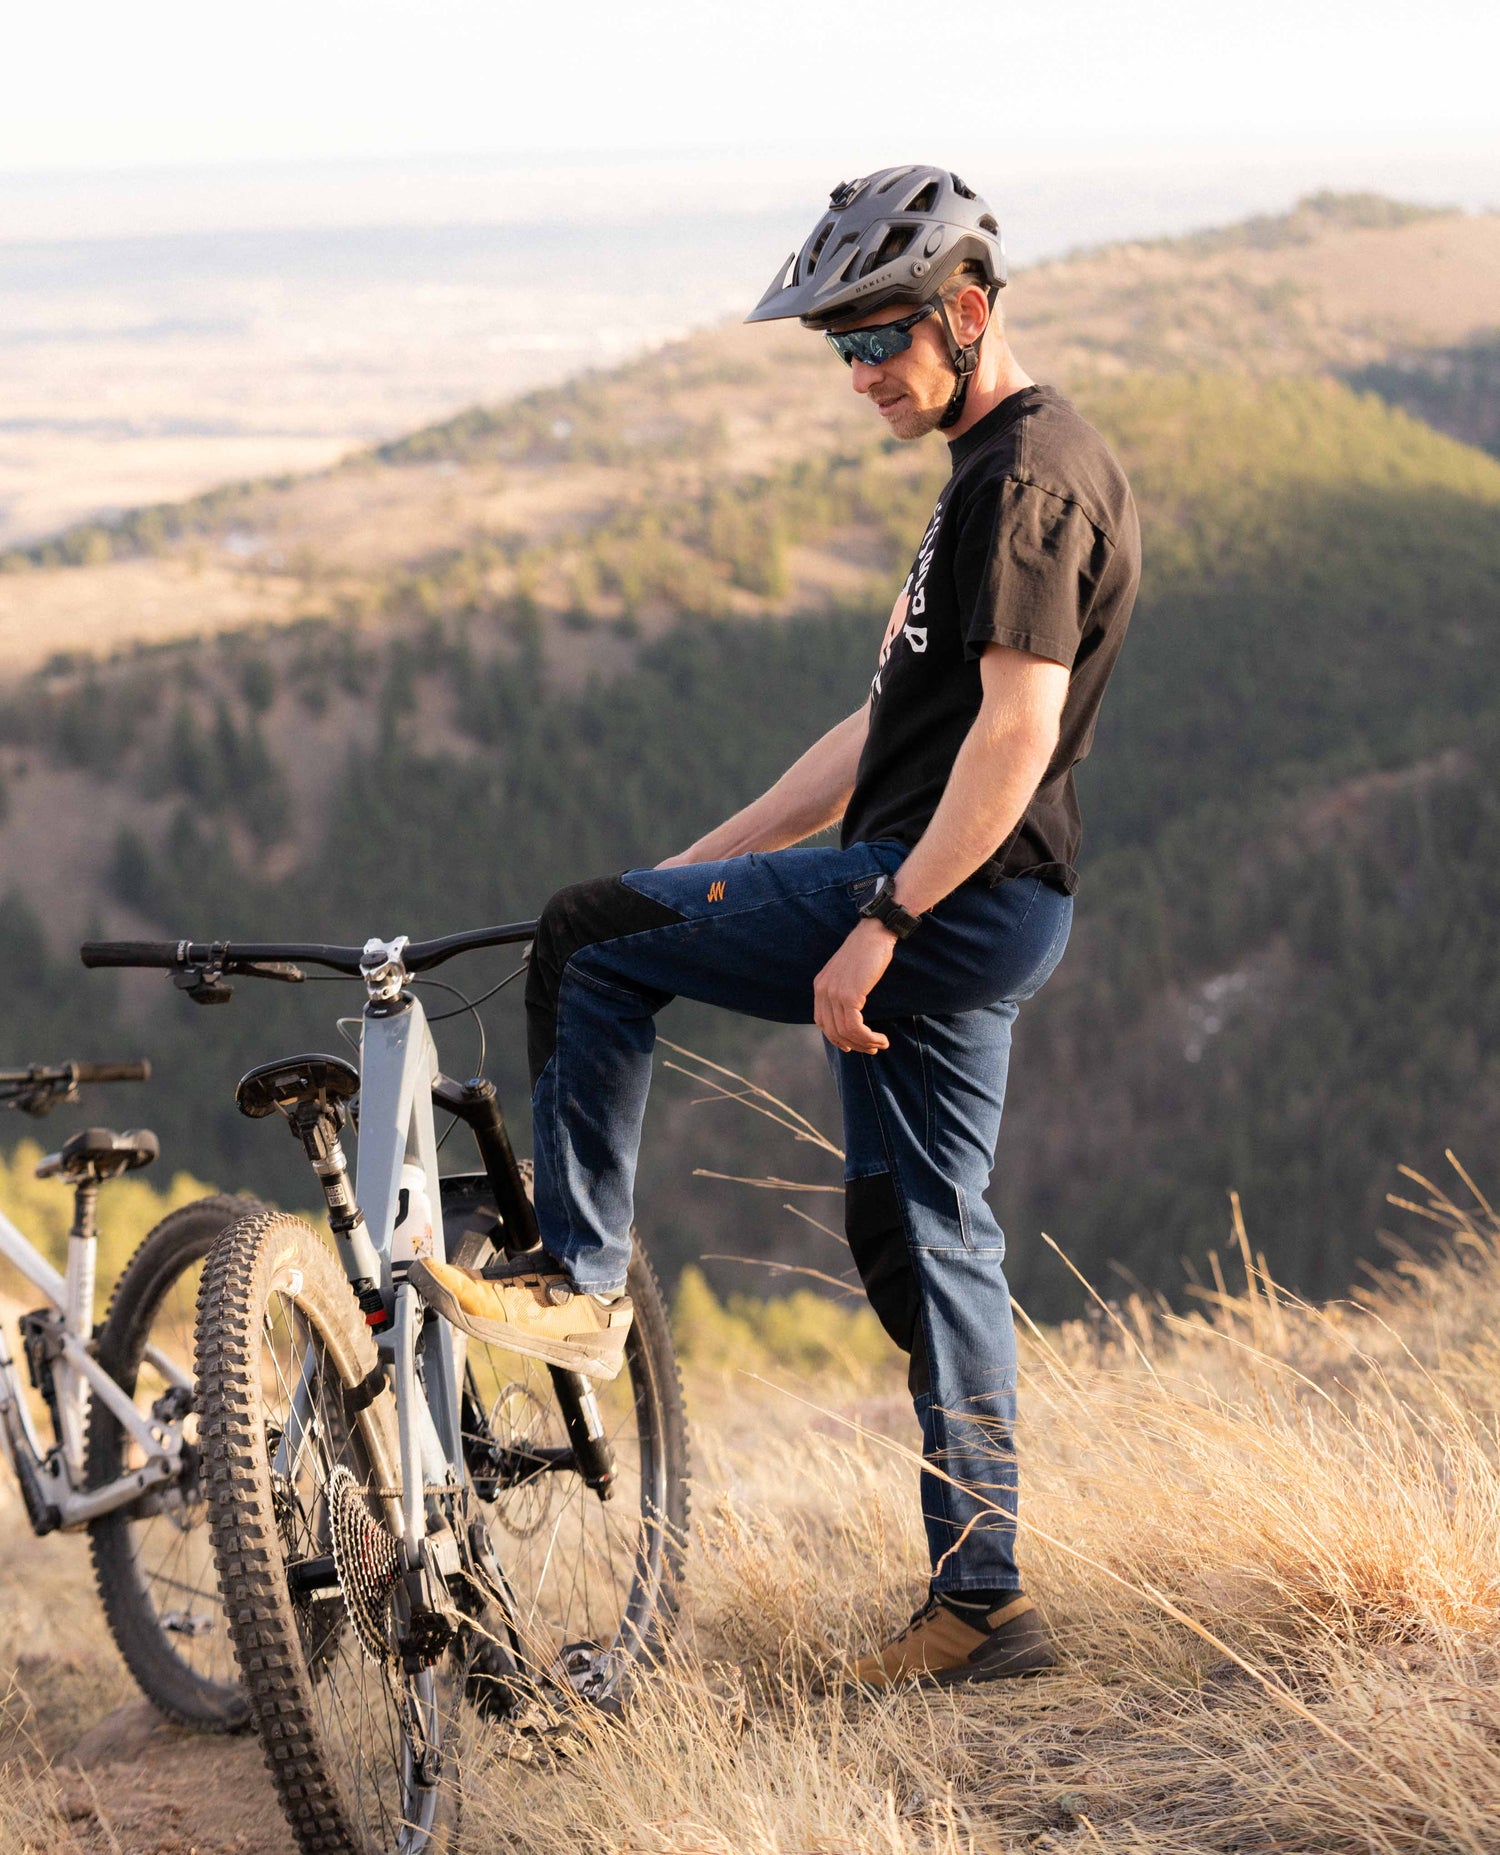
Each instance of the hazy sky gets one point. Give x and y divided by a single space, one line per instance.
93 84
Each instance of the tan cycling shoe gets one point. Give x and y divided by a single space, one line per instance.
939 1649
530 1306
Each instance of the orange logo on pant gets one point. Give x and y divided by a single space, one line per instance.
716 892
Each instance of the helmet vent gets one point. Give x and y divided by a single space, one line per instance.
988 223
837 251
897 240
924 199
817 251
963 192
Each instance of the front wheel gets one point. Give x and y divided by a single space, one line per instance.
153 1560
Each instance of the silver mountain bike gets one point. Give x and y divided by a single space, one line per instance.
124 1459
413 1529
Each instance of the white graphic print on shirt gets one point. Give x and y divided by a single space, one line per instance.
911 602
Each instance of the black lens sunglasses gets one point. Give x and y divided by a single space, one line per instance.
875 345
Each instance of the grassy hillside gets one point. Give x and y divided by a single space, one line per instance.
674 482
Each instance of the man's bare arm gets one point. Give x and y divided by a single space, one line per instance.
997 769
810 795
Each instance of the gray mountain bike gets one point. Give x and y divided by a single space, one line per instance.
411 1527
120 1397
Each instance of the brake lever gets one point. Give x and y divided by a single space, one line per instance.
40 1098
206 984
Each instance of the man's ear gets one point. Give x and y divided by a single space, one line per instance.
971 314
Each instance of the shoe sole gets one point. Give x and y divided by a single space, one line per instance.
1012 1654
971 1677
571 1357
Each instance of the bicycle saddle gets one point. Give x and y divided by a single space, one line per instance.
100 1153
293 1079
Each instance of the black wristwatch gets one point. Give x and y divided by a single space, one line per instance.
884 908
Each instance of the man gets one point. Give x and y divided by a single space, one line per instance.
911 945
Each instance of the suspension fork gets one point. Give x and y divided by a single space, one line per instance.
478 1107
584 1421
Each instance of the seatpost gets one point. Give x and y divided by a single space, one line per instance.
316 1124
82 1251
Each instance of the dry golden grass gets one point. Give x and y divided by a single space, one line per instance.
58 1674
1266 1535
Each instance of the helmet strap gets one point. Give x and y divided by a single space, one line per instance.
965 359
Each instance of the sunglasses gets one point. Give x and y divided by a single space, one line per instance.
875 345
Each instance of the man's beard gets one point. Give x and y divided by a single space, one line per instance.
914 422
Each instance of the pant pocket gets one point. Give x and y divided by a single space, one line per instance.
943 1218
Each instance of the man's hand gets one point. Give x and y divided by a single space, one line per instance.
841 989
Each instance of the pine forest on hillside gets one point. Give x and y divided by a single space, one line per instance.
1281 980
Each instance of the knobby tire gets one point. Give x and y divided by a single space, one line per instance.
196 1687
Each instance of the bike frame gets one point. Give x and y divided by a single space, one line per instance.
61 1472
398 1066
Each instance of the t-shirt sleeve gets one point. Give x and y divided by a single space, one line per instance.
1028 562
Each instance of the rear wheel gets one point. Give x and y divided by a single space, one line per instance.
153 1561
303 1483
594 1570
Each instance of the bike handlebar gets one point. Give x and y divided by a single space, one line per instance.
419 956
41 1087
76 1072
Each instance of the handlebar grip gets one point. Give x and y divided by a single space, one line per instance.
114 1072
161 953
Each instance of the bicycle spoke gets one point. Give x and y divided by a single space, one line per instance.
589 1570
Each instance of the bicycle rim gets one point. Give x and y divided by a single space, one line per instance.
154 1560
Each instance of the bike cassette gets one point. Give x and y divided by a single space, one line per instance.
367 1559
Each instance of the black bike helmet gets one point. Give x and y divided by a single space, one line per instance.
895 237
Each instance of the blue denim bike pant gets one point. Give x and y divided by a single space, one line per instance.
921 1118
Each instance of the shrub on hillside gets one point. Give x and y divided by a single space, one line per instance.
802 1332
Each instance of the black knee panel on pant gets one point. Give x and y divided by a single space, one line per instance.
877 1240
581 916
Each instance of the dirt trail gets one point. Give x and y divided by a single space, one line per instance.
136 1785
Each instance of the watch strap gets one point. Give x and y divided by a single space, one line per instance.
884 908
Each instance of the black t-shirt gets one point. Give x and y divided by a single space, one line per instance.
1034 543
